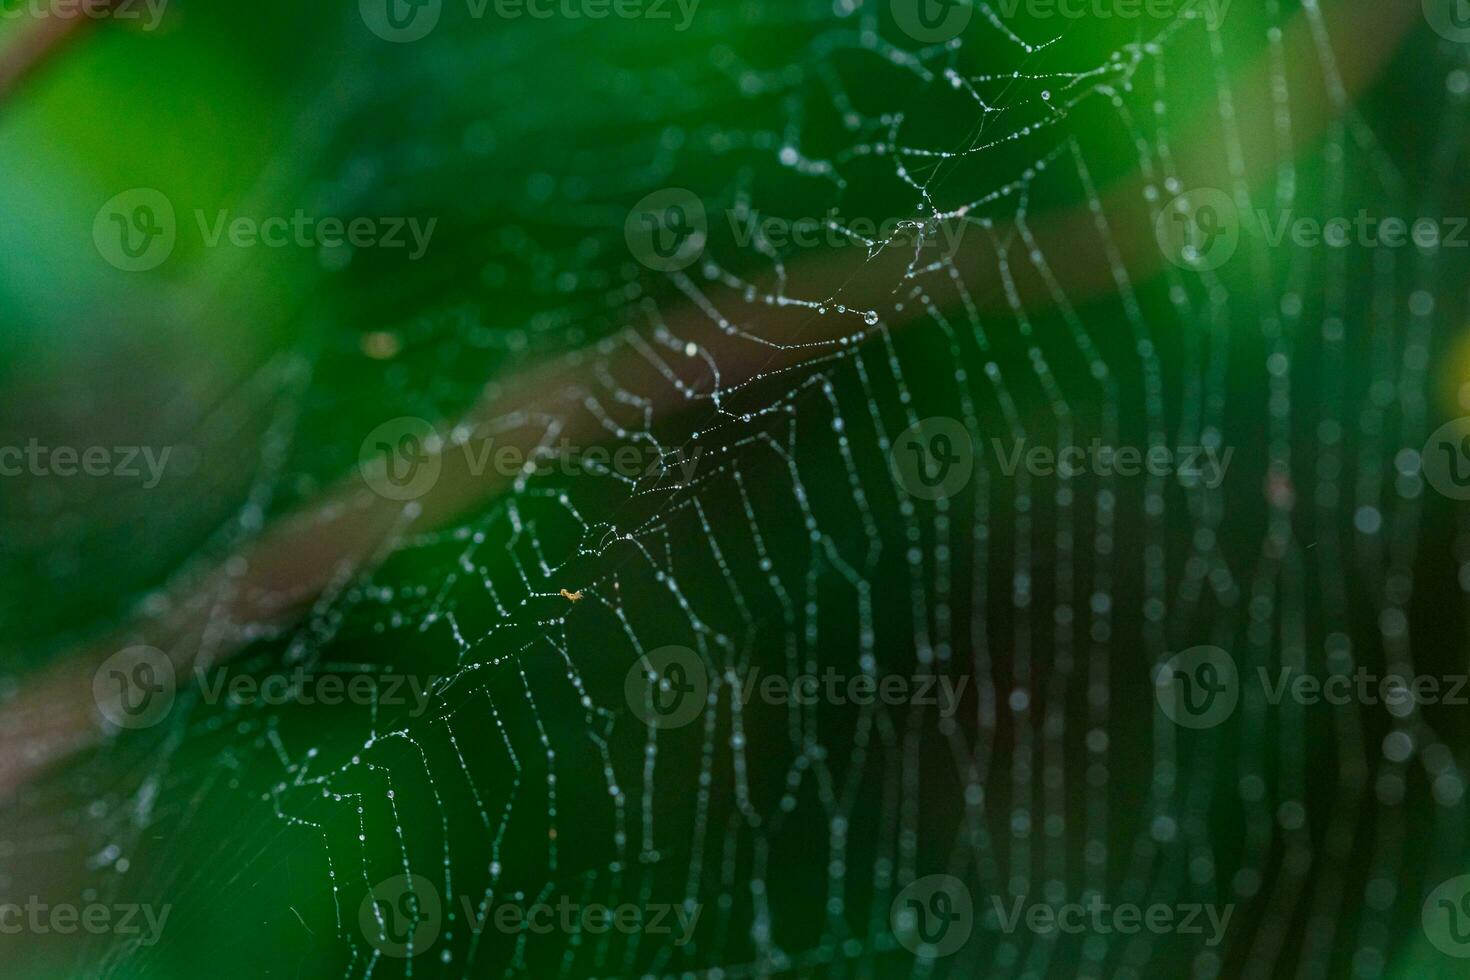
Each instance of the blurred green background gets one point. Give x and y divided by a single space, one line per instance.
528 143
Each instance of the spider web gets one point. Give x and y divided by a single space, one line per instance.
790 548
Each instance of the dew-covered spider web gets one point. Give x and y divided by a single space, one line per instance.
789 547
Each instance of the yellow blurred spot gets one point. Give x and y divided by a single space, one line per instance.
381 345
1454 380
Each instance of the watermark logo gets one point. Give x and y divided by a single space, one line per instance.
142 923
833 230
127 11
134 688
401 21
569 916
1199 230
301 230
932 21
1446 459
1363 230
1193 465
123 462
310 688
667 230
1400 694
833 687
667 687
1446 917
136 230
400 459
401 916
933 916
1097 917
1198 688
1449 18
934 458
590 10
1213 11
673 688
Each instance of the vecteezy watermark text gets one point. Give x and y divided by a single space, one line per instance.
675 920
1399 693
402 459
832 230
1364 230
943 21
402 916
404 21
1201 229
306 231
136 687
669 687
143 922
138 229
835 687
933 917
1213 11
935 458
668 229
119 461
1094 916
149 12
304 687
1200 687
1203 464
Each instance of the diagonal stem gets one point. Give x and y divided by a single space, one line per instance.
307 556
38 44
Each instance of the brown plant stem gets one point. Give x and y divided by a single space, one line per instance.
38 44
306 557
